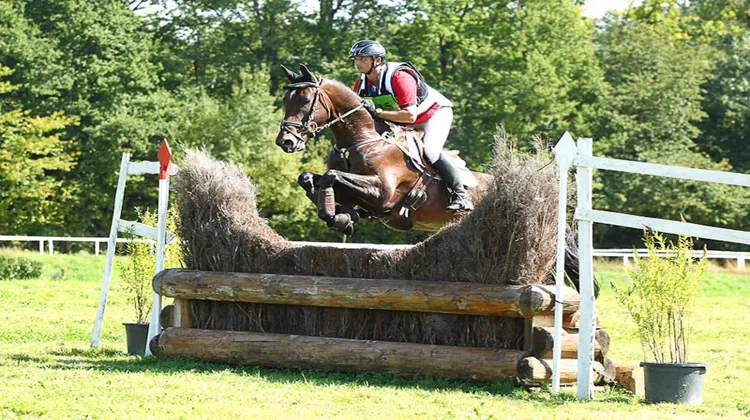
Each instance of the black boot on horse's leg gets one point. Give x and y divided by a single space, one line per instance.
459 200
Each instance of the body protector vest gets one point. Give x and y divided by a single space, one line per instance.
427 97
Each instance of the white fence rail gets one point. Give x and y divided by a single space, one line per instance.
46 245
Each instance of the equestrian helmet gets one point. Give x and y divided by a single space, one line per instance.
367 48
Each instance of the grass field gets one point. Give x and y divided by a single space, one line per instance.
47 369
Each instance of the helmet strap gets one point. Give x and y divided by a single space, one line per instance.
373 66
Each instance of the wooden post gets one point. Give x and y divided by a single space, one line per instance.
182 313
306 352
119 194
49 243
585 384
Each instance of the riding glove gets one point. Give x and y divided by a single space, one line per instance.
369 107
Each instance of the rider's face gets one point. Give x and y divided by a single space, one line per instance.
363 64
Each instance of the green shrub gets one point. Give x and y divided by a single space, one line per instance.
14 268
138 270
662 294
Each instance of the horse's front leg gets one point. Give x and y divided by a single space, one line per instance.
348 190
308 180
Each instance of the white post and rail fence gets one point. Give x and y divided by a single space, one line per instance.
568 154
46 246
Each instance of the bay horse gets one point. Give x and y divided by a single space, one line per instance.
369 172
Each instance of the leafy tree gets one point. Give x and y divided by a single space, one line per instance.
80 58
32 156
654 70
725 132
529 66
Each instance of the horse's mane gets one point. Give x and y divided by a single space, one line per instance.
351 97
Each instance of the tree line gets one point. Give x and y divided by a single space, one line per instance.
81 82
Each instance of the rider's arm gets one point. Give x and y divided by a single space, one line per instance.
405 89
405 115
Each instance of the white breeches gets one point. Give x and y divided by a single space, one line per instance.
436 131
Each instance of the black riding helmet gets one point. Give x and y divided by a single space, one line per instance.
367 48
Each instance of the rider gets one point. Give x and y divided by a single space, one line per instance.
400 94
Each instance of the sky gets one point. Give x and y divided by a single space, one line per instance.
597 8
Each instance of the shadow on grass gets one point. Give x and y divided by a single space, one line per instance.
108 360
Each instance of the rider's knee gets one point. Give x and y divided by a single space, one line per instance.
432 153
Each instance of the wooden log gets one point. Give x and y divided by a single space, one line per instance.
533 371
608 372
603 340
543 342
630 377
530 324
573 321
400 295
166 317
305 352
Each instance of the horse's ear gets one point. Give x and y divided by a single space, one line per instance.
306 72
292 76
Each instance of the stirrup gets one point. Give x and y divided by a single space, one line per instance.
459 203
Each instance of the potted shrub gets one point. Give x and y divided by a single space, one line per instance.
660 299
137 273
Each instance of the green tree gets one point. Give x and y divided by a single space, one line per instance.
82 59
32 157
529 66
654 68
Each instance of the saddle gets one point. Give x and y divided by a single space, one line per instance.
410 141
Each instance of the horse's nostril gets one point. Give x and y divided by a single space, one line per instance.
287 145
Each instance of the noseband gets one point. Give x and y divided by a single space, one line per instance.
309 126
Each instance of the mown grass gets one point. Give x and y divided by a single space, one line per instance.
47 369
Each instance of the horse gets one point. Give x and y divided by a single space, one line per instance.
370 173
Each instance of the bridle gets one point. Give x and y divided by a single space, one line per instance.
310 127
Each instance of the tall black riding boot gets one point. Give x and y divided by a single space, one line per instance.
459 200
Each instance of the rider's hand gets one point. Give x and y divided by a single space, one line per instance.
369 106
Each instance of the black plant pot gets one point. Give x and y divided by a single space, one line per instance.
680 383
137 335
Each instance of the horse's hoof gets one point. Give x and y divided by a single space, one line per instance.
351 211
305 180
342 222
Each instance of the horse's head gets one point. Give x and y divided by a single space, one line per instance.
304 110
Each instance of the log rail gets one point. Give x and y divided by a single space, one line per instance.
397 295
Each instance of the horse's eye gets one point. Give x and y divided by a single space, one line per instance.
305 100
